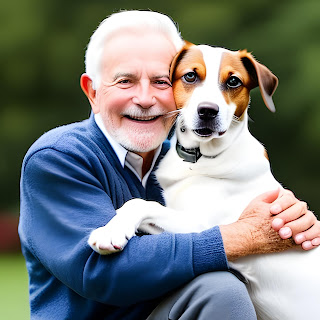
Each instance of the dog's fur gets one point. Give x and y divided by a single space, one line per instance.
214 190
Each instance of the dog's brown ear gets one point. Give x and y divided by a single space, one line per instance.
178 57
261 76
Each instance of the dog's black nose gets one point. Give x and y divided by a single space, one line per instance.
207 110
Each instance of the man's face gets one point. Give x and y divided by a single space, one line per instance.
135 94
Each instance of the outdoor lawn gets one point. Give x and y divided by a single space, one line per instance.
13 287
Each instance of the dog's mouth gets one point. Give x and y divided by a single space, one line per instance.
207 132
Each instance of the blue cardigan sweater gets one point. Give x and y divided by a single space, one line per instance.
72 182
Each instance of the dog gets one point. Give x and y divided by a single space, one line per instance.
214 168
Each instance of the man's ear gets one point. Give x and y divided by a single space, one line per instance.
86 86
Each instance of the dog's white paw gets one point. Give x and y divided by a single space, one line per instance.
111 238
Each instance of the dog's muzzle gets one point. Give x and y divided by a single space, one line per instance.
207 112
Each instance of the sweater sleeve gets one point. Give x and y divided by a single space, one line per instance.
62 201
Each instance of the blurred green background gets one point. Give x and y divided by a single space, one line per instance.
42 52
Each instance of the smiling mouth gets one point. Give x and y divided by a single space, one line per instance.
142 119
206 132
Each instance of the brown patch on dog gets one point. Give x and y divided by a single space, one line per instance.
189 59
260 76
231 65
252 74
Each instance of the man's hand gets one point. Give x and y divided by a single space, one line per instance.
295 220
253 233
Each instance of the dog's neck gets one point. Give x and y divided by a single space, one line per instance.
237 154
240 157
189 155
212 148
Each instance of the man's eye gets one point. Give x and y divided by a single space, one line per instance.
124 81
234 82
190 77
162 84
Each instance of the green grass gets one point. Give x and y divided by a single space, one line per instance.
13 288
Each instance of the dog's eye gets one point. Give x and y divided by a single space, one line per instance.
190 77
234 82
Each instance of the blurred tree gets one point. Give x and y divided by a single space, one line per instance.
42 52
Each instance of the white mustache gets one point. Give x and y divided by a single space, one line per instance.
144 114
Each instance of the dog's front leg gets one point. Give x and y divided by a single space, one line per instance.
134 215
146 216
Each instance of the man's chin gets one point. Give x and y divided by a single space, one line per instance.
140 147
142 143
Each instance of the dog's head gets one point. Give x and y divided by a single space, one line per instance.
212 88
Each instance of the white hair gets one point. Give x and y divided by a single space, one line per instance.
147 20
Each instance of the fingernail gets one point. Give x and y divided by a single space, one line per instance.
285 232
299 238
277 223
275 209
307 245
316 241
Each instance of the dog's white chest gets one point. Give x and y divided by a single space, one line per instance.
205 197
215 190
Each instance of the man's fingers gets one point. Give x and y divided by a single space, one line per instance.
296 211
302 223
285 233
287 208
285 200
312 234
308 245
270 196
277 224
293 219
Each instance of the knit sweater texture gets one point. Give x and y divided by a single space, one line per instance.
71 183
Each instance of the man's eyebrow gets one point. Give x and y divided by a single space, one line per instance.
124 75
134 76
160 76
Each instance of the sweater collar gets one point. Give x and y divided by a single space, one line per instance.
119 150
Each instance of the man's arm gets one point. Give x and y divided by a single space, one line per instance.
62 202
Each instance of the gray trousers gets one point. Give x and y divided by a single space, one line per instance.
215 295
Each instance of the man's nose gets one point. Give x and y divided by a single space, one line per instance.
144 96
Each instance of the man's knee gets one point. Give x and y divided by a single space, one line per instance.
214 295
220 287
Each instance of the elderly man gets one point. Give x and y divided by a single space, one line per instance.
76 176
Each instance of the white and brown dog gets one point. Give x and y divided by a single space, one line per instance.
211 173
